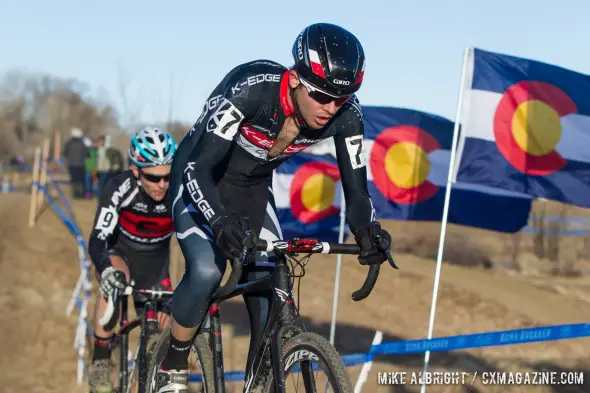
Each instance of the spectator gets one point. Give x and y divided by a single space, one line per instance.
90 168
75 153
110 161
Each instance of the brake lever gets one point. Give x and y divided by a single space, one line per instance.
387 252
247 228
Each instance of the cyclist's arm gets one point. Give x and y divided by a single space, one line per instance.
105 221
215 130
352 164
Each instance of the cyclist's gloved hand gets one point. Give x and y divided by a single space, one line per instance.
110 279
231 238
373 241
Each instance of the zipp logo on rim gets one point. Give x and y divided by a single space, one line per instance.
341 82
302 354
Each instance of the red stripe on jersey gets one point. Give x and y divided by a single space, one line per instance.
143 226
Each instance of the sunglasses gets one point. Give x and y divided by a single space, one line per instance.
154 178
321 97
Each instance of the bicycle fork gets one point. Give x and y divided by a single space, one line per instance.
149 326
123 350
216 348
283 308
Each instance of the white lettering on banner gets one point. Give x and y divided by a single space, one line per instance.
486 378
226 120
355 147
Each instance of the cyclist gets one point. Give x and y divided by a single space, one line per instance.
131 236
257 117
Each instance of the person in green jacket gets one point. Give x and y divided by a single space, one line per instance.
110 161
90 168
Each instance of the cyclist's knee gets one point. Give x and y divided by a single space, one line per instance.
202 278
191 296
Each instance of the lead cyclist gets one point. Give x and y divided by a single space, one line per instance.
258 116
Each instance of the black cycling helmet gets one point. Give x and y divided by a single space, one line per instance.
329 58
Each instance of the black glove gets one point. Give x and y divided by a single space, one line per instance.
110 279
231 238
373 241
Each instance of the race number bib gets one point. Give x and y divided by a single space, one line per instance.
107 221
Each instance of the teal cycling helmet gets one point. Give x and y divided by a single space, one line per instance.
151 146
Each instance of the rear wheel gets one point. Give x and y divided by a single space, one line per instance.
200 363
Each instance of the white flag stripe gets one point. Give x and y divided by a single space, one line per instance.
479 124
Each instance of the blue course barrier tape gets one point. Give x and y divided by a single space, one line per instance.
451 343
62 181
574 220
564 232
64 200
71 226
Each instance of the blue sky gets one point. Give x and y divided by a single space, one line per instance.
414 48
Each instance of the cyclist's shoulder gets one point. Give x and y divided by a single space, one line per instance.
350 116
256 67
256 74
121 184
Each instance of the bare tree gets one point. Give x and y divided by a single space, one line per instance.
33 106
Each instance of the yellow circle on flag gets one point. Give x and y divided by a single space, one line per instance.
536 127
407 164
318 192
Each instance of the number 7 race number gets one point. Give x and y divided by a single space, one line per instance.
354 145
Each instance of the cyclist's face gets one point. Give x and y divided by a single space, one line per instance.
154 180
315 107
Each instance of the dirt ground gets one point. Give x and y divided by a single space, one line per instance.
39 268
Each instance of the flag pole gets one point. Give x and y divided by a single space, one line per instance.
445 211
338 265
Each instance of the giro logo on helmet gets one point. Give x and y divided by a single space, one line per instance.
300 47
341 82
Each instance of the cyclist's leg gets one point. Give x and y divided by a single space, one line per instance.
150 270
165 284
258 304
204 269
99 377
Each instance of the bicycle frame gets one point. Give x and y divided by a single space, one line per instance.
282 323
148 323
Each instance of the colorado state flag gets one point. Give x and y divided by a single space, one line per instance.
525 127
408 155
307 195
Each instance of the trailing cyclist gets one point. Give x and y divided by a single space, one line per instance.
258 116
131 234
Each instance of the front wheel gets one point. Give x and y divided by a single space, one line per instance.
311 364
